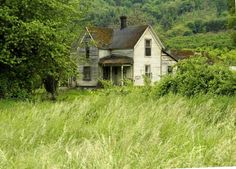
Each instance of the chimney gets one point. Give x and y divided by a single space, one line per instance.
123 22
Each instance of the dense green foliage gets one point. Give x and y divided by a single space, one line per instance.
170 19
98 130
232 19
35 39
195 76
220 41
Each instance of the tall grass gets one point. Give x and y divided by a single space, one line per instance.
97 130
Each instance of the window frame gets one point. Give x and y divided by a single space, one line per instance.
148 71
148 47
169 69
87 74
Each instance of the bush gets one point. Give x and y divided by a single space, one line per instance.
180 30
195 76
216 25
3 86
12 88
201 26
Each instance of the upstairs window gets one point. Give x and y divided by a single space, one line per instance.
148 48
148 72
87 73
87 50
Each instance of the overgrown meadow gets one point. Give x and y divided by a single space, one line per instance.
118 128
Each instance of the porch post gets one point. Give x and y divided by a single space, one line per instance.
111 74
122 75
132 72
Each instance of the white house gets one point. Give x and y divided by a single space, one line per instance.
118 54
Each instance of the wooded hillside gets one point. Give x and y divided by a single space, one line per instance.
170 18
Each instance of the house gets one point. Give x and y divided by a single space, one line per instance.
130 52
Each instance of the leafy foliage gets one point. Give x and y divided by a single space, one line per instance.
215 41
195 76
232 19
169 18
35 40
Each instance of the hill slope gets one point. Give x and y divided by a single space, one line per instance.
170 18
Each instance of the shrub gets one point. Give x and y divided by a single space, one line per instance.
216 25
12 88
195 76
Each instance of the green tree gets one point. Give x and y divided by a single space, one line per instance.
35 42
232 18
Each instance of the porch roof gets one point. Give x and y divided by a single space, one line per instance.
116 59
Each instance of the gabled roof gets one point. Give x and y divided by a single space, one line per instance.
175 58
128 37
107 38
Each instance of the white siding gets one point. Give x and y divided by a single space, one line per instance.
123 52
166 61
103 53
140 60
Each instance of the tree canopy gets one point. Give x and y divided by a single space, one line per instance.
169 18
35 40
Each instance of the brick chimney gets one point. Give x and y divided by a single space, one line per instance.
123 22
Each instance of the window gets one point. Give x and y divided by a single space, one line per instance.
87 51
87 73
148 71
148 49
169 69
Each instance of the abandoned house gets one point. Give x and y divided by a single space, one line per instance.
130 52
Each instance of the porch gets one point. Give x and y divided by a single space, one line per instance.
117 69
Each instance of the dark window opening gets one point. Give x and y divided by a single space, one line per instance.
148 72
87 73
106 73
169 69
87 51
148 49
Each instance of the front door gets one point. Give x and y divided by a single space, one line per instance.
116 75
106 73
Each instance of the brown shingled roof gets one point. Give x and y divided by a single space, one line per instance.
102 36
126 38
182 54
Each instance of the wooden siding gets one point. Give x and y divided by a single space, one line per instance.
140 60
166 61
103 53
91 61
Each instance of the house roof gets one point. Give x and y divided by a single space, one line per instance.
102 36
182 54
108 38
116 59
171 56
185 54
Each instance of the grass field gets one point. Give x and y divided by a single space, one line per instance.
110 130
